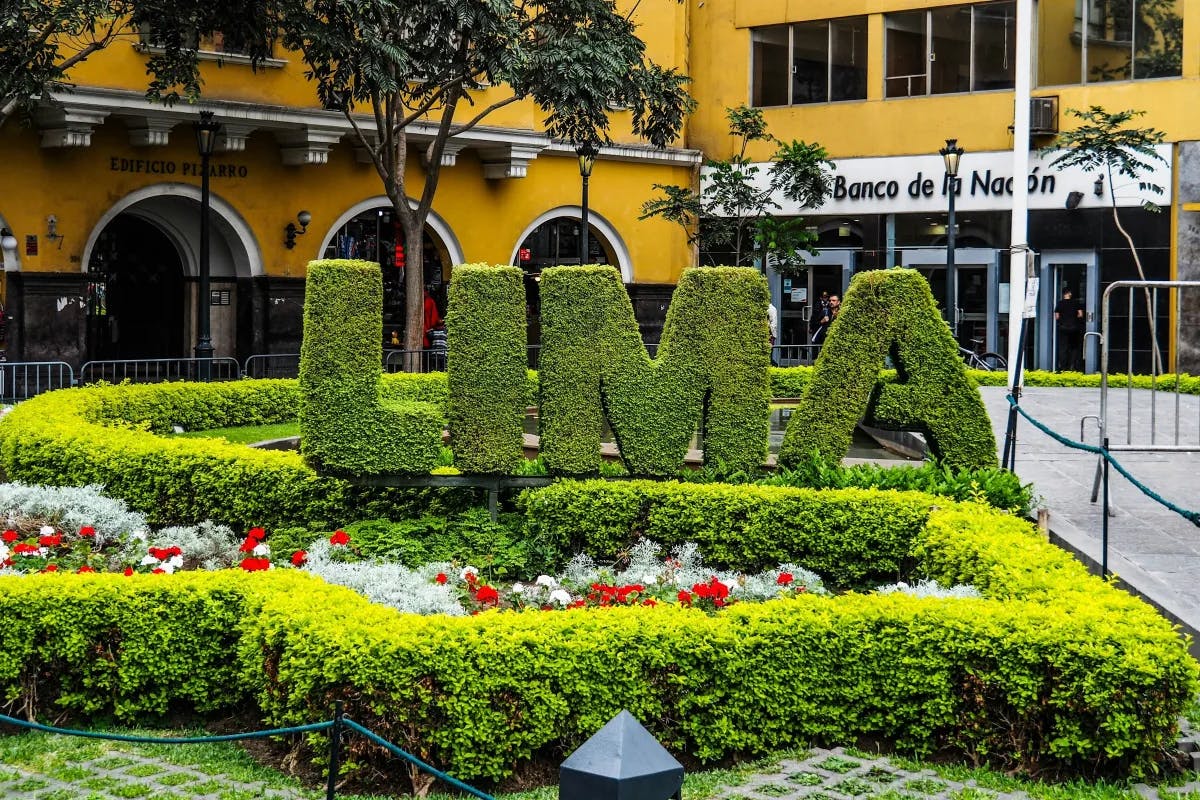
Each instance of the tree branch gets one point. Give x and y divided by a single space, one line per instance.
480 116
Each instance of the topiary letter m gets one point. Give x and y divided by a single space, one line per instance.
346 428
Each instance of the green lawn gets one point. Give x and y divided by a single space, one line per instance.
247 434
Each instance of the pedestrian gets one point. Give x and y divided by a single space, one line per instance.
1068 320
818 320
432 317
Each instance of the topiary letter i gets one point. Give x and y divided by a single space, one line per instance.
891 311
345 426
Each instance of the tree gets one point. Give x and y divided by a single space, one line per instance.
1103 144
420 67
41 41
732 211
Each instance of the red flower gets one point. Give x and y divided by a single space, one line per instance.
257 534
23 548
84 568
52 540
256 564
486 594
51 568
784 578
685 597
158 571
87 531
10 537
442 578
339 537
163 553
649 601
298 558
128 571
248 545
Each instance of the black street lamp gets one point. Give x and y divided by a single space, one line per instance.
206 140
951 153
587 159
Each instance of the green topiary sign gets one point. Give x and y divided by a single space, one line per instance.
711 371
891 311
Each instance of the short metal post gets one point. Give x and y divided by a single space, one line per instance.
1104 522
335 752
494 501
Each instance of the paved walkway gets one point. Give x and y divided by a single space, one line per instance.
1154 551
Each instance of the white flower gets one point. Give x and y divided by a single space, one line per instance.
43 551
547 581
560 596
149 561
467 570
47 530
176 562
518 588
262 550
167 567
3 551
730 585
138 535
649 579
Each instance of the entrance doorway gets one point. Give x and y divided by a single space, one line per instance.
797 295
135 293
1076 270
977 270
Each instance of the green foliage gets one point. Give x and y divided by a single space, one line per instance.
486 368
850 537
890 310
1052 669
346 426
733 211
712 362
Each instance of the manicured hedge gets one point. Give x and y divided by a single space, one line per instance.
486 368
106 435
890 310
346 426
1051 670
712 361
850 537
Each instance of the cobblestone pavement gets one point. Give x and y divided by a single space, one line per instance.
821 775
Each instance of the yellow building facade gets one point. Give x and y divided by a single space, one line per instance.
100 194
100 206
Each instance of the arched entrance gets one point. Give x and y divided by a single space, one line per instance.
371 231
142 267
554 239
135 293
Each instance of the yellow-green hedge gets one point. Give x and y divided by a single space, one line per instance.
1051 669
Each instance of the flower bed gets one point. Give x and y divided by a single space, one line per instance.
1050 669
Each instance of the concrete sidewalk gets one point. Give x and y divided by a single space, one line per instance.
1154 551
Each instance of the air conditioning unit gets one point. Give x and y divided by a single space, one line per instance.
1043 115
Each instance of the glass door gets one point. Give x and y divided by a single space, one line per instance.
1074 271
796 296
978 277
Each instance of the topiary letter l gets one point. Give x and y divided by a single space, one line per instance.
346 428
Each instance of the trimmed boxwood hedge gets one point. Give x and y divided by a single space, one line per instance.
890 310
1051 670
711 363
851 537
106 435
486 368
347 427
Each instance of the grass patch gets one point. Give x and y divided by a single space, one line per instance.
246 434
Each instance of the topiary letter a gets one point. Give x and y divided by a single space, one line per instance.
345 426
891 311
712 364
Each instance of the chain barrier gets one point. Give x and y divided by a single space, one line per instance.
339 721
1191 516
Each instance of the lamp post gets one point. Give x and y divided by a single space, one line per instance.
951 154
206 139
587 159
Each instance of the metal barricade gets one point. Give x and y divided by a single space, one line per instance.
791 355
427 360
21 380
1159 417
272 365
159 370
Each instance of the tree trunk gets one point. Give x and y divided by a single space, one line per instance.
414 292
1157 365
